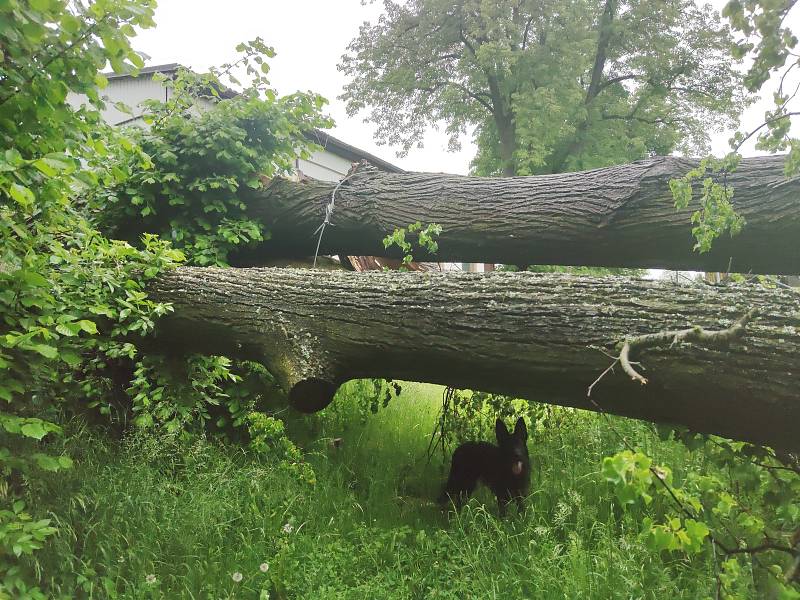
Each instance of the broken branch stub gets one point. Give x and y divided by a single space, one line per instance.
697 334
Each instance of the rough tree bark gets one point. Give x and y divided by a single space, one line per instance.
620 216
523 334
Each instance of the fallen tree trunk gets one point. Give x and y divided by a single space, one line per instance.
621 216
522 334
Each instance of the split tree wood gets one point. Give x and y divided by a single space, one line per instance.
522 334
620 216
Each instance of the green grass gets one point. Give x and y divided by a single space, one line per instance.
193 514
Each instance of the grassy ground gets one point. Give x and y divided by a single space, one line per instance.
157 518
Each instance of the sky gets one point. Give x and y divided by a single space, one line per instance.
309 37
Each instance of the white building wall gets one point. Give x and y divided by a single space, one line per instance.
325 166
131 91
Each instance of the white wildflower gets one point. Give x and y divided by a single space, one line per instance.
288 528
263 567
237 577
151 579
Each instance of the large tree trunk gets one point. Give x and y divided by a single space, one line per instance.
523 334
620 216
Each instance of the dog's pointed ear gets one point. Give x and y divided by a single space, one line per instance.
520 429
501 431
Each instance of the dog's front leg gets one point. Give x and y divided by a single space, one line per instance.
502 503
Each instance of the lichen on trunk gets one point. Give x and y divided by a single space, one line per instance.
523 334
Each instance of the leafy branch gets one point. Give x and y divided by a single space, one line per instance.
716 214
426 240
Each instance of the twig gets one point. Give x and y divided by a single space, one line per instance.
794 571
762 548
604 351
441 424
693 334
603 374
784 467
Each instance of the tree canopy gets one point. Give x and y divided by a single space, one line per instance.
550 86
763 34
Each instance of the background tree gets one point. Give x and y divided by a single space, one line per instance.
551 86
763 35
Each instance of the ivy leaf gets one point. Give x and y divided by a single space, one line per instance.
660 538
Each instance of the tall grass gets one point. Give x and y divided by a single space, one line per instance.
155 517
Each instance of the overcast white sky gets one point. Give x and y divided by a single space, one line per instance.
309 37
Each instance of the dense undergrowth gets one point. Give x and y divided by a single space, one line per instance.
156 517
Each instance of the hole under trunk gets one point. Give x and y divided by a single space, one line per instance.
311 395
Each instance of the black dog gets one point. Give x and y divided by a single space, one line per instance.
505 468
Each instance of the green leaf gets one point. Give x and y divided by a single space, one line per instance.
34 430
696 532
34 279
40 5
104 310
88 326
68 329
660 537
33 32
45 168
46 462
54 163
73 359
45 350
22 195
